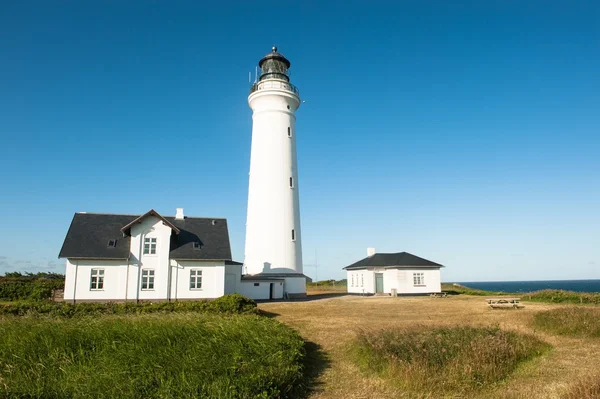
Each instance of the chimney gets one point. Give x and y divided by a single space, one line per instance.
370 251
179 214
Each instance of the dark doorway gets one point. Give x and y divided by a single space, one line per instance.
271 291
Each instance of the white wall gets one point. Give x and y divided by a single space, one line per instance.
78 278
261 290
273 207
364 281
213 279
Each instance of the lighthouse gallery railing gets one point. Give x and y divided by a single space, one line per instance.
274 84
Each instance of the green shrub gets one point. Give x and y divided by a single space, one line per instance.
171 356
454 360
28 288
228 304
561 296
573 321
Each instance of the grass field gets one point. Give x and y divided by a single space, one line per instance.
334 324
149 356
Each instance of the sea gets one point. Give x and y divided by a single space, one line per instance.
529 286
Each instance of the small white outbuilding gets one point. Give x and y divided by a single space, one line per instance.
382 273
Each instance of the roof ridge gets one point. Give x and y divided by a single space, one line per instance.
138 215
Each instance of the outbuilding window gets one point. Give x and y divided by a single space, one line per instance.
149 246
97 279
362 280
147 279
195 279
419 278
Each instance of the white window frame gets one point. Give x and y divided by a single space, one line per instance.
97 274
196 276
152 244
419 279
148 278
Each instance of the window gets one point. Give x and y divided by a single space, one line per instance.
289 132
291 182
293 235
149 246
112 243
352 285
256 284
97 279
362 280
419 278
195 279
197 245
147 279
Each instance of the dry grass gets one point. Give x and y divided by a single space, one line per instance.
585 388
444 360
334 323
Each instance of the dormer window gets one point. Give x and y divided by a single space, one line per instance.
149 246
197 245
112 243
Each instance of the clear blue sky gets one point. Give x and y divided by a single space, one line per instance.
466 133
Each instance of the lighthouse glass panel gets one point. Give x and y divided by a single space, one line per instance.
274 69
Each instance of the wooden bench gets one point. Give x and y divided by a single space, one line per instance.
438 294
504 303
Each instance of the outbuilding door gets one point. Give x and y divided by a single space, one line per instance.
378 283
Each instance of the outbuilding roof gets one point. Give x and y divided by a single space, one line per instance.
400 259
90 236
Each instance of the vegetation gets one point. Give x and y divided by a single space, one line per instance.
171 356
561 296
457 289
573 321
586 388
228 304
444 359
15 286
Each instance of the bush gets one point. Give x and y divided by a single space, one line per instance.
228 304
28 288
453 360
573 321
171 356
560 296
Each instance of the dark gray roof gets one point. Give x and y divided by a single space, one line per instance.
401 259
89 234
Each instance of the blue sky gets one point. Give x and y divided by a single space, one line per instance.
466 133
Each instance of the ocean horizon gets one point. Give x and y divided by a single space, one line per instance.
592 285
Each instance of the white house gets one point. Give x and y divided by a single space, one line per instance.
380 273
154 258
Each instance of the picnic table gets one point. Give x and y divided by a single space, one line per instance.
438 294
504 303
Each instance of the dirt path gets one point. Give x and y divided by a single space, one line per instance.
332 324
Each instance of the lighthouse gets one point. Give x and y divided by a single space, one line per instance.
273 235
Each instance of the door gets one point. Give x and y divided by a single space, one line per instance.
378 283
230 280
271 294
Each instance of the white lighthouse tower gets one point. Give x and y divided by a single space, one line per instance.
273 238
